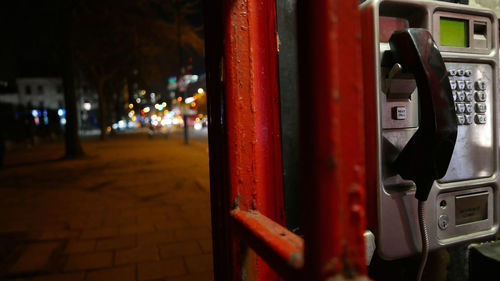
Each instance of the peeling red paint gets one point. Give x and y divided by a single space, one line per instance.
254 151
282 248
332 142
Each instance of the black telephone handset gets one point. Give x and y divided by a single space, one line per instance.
427 155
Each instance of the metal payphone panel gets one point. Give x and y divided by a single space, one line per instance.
472 176
473 93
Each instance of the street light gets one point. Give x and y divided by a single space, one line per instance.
87 106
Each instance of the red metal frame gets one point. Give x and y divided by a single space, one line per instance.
333 146
245 145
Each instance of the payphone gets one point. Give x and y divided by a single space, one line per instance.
431 74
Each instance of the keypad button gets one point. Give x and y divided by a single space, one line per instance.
453 84
480 85
460 96
468 119
480 96
480 107
452 72
460 72
461 85
460 108
480 119
468 96
454 95
468 85
468 107
468 72
460 119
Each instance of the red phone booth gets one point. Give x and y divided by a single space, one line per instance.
250 235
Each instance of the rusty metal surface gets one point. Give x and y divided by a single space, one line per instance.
281 248
332 144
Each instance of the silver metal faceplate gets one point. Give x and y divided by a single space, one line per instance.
474 165
473 154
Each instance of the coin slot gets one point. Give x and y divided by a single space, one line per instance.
480 35
443 204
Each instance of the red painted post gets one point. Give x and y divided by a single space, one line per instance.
247 196
252 117
332 139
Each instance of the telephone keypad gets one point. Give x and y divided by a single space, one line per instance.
480 85
468 107
460 108
460 119
480 96
480 118
468 119
469 96
480 107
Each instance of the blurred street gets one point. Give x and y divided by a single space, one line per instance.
135 208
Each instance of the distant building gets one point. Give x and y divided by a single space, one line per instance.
39 92
8 92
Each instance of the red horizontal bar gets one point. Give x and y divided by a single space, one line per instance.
279 247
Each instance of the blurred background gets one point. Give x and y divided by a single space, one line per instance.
138 64
103 141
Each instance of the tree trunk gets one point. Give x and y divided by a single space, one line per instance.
102 110
72 139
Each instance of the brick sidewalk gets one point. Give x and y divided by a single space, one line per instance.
134 209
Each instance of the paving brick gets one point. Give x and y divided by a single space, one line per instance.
200 276
80 246
57 234
89 261
100 233
169 224
179 249
135 211
153 218
86 221
155 238
140 254
137 228
193 233
74 276
36 257
170 211
206 245
126 273
161 269
120 220
120 242
199 263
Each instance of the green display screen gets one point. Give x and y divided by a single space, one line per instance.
454 32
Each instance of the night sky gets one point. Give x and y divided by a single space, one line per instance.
28 39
